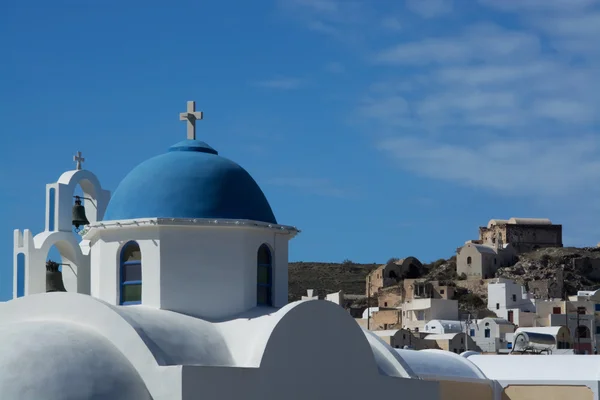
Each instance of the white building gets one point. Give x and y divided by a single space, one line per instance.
417 312
444 326
510 301
179 290
490 334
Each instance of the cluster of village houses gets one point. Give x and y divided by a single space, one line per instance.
419 314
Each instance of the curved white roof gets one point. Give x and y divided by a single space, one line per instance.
529 221
499 321
440 365
482 248
559 368
52 360
493 222
149 337
448 325
386 333
369 312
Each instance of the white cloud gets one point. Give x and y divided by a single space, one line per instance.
280 83
508 109
318 186
517 167
430 8
539 5
482 42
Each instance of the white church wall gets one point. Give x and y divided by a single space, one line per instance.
95 199
280 289
30 252
106 258
194 258
315 365
180 356
29 260
81 310
183 263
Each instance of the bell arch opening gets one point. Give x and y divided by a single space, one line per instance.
62 253
54 267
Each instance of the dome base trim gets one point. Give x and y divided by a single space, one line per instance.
93 229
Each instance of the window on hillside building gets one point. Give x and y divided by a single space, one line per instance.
487 333
469 260
556 310
580 310
130 288
472 332
385 303
514 297
497 306
442 291
264 279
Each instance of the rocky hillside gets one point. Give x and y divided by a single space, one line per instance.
581 267
327 278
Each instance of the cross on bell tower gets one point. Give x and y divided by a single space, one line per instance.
191 115
78 159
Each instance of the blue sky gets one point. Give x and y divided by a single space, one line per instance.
380 128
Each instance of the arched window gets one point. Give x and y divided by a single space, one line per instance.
264 278
130 274
469 260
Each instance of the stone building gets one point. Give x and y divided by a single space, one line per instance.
394 296
421 288
391 273
482 260
404 338
454 342
524 234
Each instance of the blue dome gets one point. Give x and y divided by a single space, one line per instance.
191 180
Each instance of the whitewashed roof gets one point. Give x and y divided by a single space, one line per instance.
441 365
442 336
482 248
448 325
539 367
386 333
499 321
369 312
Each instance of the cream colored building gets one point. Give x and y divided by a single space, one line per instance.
459 379
533 377
417 312
481 260
454 342
578 316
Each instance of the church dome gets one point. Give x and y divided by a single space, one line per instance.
191 180
54 360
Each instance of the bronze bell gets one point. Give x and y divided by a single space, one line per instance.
54 280
79 217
